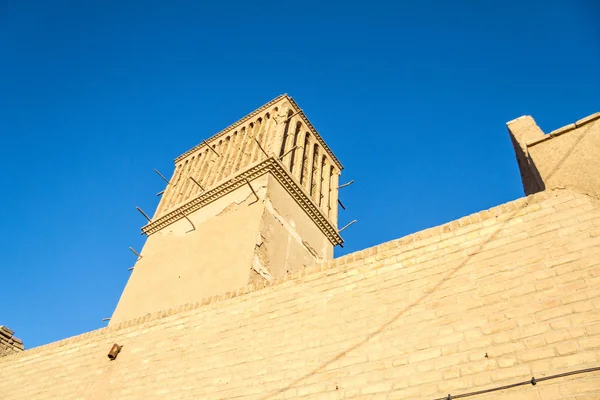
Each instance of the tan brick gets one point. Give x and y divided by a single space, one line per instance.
579 359
451 373
507 361
478 366
589 343
555 312
566 348
592 330
377 388
506 348
534 342
535 354
508 373
424 355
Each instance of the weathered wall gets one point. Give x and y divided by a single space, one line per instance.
278 128
9 344
564 158
181 264
410 319
291 239
235 240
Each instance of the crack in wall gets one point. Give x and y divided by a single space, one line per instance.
235 205
231 207
260 263
288 227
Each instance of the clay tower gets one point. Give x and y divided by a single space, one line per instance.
253 202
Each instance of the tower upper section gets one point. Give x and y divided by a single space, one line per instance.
253 203
278 131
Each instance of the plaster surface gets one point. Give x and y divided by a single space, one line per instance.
212 234
235 240
290 239
564 158
183 263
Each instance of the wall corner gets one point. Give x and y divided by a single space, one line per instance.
9 344
523 130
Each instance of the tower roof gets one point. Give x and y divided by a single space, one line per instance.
241 121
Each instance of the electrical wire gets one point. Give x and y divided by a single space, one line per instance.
532 381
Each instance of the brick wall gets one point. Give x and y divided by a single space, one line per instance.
490 299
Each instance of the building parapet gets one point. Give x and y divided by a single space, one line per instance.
426 238
9 344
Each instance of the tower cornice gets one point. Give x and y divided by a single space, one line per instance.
254 113
269 165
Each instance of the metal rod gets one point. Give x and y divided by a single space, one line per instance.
260 147
341 204
196 182
159 193
290 117
190 221
251 188
135 252
144 214
346 184
289 151
351 223
161 175
130 269
276 118
213 150
105 319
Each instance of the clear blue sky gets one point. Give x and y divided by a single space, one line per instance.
412 96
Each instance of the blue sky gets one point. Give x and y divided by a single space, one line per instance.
412 96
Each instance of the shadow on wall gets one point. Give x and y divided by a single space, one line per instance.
426 294
530 175
565 157
532 183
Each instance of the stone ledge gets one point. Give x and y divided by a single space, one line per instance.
587 119
9 341
417 239
256 170
564 129
4 331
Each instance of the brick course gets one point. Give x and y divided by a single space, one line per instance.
9 344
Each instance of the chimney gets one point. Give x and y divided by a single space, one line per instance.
8 343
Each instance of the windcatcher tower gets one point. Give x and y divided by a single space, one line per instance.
252 203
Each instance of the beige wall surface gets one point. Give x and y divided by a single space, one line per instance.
571 160
491 299
183 264
292 240
565 158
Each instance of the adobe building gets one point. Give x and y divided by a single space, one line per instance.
236 294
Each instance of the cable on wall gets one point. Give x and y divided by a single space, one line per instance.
532 381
